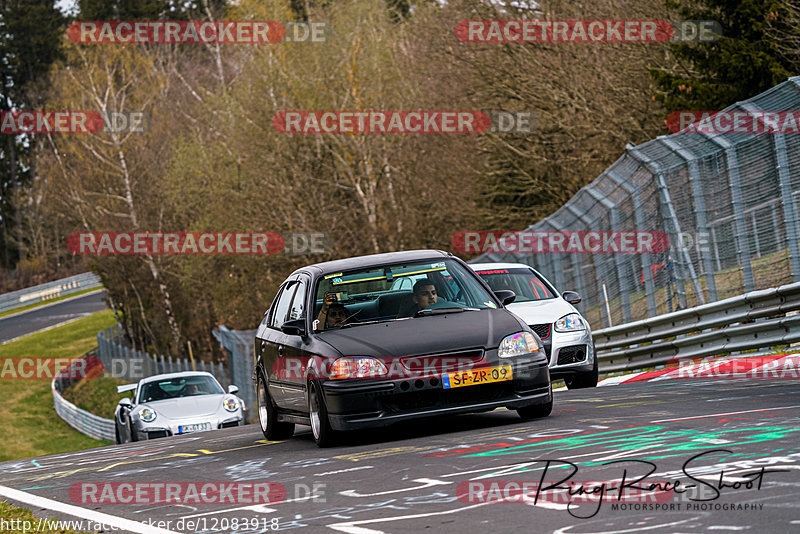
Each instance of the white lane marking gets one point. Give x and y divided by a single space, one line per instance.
425 483
350 526
344 470
723 414
727 527
83 513
258 508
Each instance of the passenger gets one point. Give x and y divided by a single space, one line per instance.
333 314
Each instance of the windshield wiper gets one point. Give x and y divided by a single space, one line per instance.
359 323
441 311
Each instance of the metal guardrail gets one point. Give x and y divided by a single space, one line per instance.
84 422
756 320
50 290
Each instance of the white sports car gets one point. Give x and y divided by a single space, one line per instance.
176 403
564 332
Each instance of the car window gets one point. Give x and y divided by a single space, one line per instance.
297 309
384 291
184 386
522 281
282 305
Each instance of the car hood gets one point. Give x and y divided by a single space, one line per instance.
187 407
425 335
541 311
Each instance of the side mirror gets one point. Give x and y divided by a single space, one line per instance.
294 328
125 403
506 296
233 390
571 297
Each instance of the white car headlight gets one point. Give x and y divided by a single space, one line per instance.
230 404
517 345
147 415
572 322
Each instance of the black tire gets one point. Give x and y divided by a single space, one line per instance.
132 430
537 410
116 433
324 435
583 380
268 414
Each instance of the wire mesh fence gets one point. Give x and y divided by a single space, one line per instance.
728 203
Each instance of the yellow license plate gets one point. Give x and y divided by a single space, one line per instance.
475 377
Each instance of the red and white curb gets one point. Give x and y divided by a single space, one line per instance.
773 366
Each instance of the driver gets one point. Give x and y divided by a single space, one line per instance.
424 295
333 313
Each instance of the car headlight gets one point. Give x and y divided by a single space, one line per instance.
517 345
357 367
572 322
230 404
147 415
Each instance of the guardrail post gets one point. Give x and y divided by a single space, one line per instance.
699 211
789 207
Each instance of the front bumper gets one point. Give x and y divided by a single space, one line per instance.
161 429
571 353
354 405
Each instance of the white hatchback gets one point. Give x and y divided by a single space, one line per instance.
564 332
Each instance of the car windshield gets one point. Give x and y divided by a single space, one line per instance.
522 281
386 293
184 386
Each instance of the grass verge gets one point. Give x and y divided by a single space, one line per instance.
28 423
16 517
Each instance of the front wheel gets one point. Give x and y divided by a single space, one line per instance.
583 380
324 435
268 415
537 410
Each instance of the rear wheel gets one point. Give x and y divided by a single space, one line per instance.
268 415
583 380
324 435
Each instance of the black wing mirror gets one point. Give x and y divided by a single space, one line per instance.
571 297
506 296
294 328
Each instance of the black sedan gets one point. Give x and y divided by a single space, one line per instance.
369 341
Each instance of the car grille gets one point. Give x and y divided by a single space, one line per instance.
157 434
572 354
440 398
542 330
229 424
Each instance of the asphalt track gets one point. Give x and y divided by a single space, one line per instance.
720 436
50 315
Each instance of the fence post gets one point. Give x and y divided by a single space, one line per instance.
700 212
598 277
740 225
577 268
789 207
618 261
